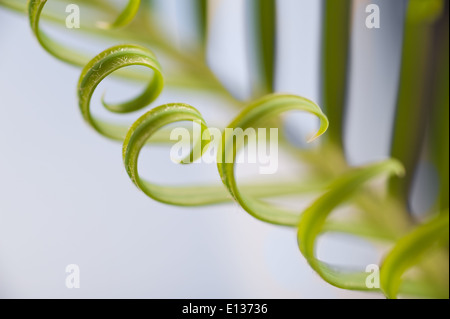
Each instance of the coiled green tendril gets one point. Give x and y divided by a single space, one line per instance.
256 113
312 222
105 64
62 52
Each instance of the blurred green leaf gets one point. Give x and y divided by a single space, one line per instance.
439 124
413 96
335 58
265 19
408 251
424 11
202 19
313 221
16 5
